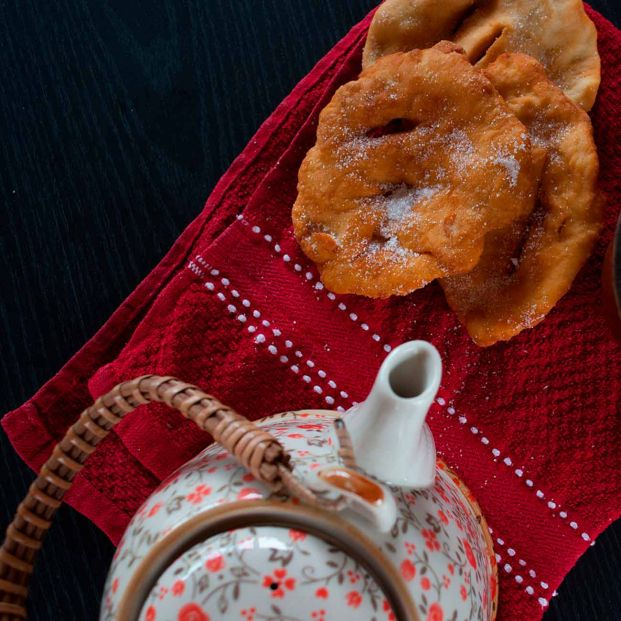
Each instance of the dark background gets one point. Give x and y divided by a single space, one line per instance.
117 117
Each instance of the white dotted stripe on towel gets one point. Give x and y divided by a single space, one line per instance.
519 579
515 562
518 472
254 326
311 278
195 269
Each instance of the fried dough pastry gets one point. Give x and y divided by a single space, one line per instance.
414 162
526 268
558 33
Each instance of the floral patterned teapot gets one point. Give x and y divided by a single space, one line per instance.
304 515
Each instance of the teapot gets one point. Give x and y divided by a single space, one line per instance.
304 515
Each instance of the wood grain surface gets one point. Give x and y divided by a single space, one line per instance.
116 119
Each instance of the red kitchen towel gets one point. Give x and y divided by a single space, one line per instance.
530 425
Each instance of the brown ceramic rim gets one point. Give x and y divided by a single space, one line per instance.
327 526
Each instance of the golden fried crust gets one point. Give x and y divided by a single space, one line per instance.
558 33
526 268
414 163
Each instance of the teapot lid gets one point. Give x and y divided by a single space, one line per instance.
254 573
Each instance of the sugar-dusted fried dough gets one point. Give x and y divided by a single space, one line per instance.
556 32
414 162
526 268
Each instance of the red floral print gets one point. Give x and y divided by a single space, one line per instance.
451 568
443 516
249 493
322 593
215 563
446 582
354 599
248 613
408 570
469 554
150 614
163 592
248 477
311 426
115 585
390 615
192 612
425 583
493 585
435 612
431 539
279 583
178 588
353 576
463 592
319 615
295 436
410 548
154 509
297 535
200 491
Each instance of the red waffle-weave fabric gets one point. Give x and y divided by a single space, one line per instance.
531 425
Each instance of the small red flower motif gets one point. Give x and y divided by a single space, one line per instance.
178 588
320 615
451 568
443 516
150 615
431 539
435 612
297 535
303 453
322 592
446 582
162 594
248 614
463 592
200 491
192 612
410 548
248 477
311 426
221 456
354 599
441 493
249 493
154 509
425 583
408 570
215 563
295 436
353 576
469 554
279 583
115 585
390 615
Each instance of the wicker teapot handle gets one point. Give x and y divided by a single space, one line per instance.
254 448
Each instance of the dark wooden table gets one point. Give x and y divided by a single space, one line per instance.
116 119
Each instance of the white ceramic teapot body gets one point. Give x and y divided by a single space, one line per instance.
212 542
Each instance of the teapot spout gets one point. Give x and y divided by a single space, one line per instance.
388 432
